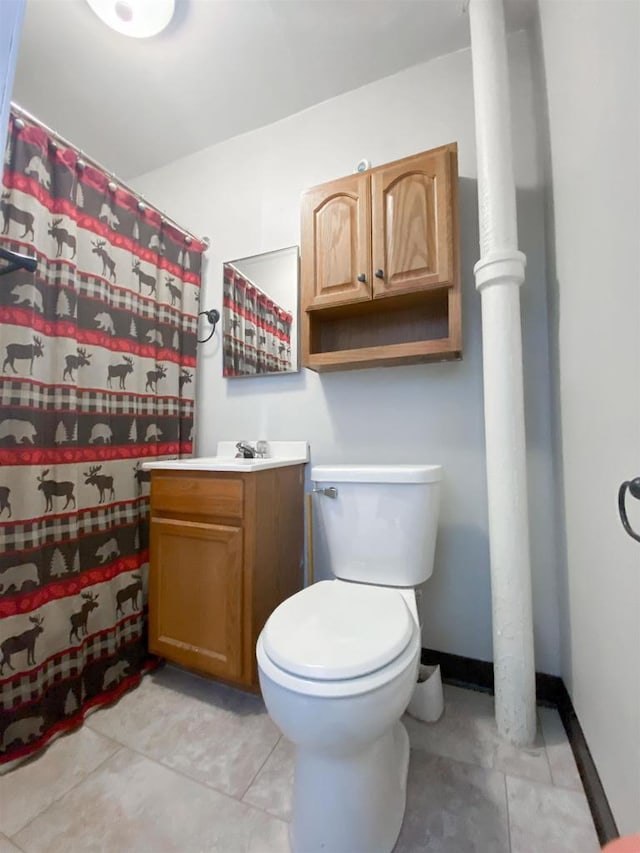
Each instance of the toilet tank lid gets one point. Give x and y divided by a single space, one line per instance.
376 473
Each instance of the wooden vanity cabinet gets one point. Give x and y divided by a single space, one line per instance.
379 265
226 549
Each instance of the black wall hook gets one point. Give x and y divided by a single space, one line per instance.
633 486
213 316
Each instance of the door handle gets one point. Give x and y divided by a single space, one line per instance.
633 487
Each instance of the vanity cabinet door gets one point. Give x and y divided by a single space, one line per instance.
336 243
412 228
195 595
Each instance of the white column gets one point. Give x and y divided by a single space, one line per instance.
499 274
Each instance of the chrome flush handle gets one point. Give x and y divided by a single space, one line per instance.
329 492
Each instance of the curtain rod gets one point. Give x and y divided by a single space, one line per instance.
18 109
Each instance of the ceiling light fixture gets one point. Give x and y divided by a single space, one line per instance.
136 18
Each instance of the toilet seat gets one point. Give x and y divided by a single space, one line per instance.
334 630
338 639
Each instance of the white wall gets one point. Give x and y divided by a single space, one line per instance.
590 69
245 194
11 15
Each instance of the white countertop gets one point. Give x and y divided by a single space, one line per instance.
280 454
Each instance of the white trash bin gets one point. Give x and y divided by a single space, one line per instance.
427 703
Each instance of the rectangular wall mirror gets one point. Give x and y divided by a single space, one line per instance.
260 314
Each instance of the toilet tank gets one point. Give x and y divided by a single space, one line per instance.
380 528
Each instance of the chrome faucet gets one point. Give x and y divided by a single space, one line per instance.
245 451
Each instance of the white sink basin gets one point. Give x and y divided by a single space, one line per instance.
280 454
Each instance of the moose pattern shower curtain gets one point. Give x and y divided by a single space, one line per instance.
98 351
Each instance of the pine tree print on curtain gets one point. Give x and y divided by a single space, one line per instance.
98 351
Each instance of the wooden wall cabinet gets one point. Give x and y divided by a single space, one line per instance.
226 549
380 265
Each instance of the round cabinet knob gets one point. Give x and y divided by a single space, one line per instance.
379 273
362 277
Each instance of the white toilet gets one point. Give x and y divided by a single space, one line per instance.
338 661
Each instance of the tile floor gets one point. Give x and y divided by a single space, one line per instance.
183 764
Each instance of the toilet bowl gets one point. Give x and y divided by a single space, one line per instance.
352 752
338 661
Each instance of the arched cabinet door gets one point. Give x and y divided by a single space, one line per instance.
336 243
412 230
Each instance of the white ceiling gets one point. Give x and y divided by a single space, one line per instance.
223 67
